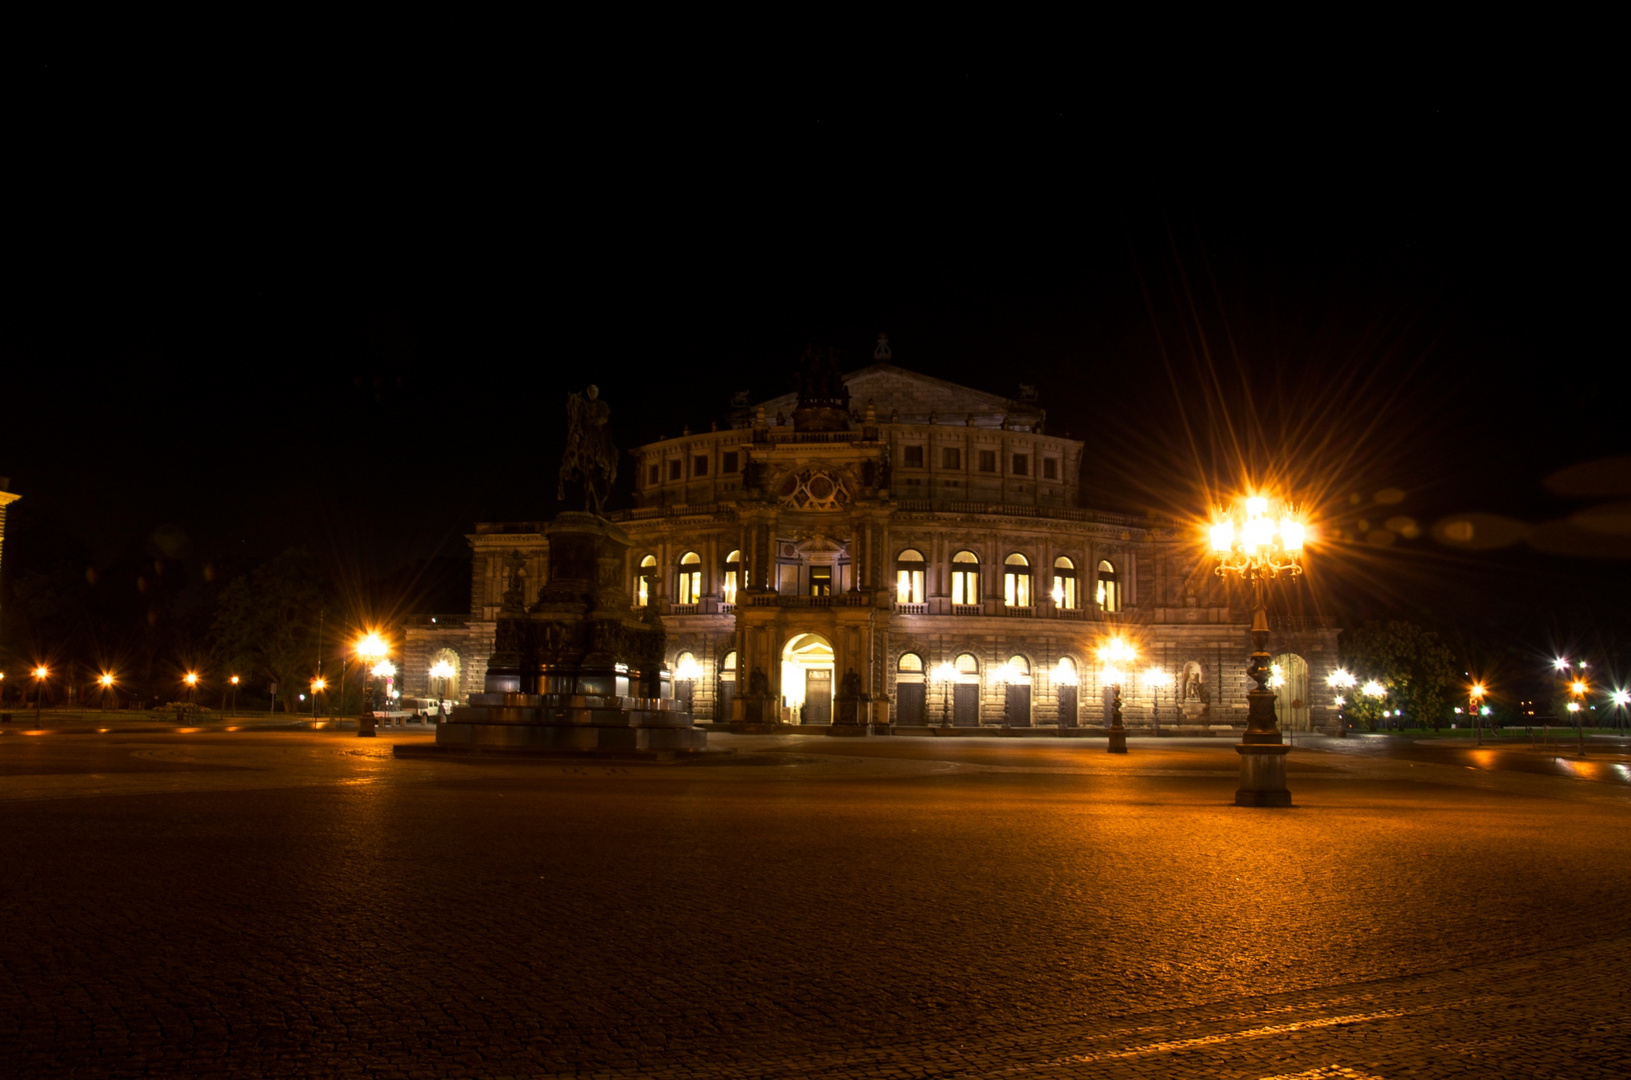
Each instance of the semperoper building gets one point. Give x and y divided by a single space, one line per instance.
926 539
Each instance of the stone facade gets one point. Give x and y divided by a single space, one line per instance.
940 528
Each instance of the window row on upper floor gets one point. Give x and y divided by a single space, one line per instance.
981 460
1019 584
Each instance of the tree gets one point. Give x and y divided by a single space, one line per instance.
1414 666
267 621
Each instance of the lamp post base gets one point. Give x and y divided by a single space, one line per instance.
1262 775
1118 741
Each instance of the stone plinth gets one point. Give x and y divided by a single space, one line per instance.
578 671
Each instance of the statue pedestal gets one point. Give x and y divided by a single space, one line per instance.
577 672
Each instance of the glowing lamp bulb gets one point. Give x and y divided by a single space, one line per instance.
106 680
1577 688
1223 536
1291 534
1256 506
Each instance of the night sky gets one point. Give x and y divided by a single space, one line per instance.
255 303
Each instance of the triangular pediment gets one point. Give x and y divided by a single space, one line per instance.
894 392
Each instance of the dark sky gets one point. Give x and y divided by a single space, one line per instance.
259 302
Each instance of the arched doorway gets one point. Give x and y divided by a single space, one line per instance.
727 687
807 677
1065 681
1288 678
445 673
965 695
910 690
1017 674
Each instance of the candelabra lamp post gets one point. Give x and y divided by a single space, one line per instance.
1112 654
371 649
1257 548
946 675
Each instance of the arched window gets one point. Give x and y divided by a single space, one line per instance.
909 577
910 664
733 576
645 586
1064 583
968 668
965 578
1109 593
1017 672
727 687
690 584
1064 672
1016 581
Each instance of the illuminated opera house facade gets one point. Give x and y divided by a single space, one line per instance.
926 541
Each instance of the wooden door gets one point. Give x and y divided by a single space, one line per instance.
817 696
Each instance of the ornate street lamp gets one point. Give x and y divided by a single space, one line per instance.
1258 548
1475 701
1112 654
371 649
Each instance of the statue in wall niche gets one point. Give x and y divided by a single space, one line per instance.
759 683
590 454
851 685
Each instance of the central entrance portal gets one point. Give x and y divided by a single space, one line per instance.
807 676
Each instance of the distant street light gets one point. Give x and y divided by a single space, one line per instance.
1153 679
106 682
1112 654
234 684
318 685
191 679
41 673
1258 548
1475 700
1577 691
1341 680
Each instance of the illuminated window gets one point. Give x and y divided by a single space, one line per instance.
690 584
1064 583
988 461
1022 464
1109 592
1016 581
965 578
951 457
646 586
733 575
910 663
914 457
821 581
909 577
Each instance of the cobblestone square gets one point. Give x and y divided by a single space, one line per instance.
280 903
